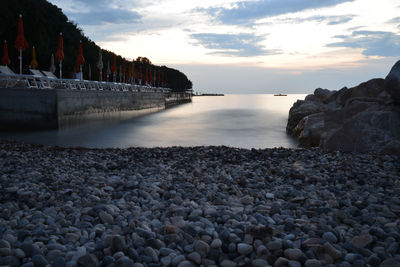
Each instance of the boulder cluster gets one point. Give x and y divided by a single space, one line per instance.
361 119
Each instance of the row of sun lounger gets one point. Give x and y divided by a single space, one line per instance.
47 80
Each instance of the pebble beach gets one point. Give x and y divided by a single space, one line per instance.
197 206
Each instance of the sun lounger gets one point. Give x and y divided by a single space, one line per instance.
11 79
42 80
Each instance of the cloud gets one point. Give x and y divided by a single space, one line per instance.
329 20
99 12
245 12
395 20
243 45
373 43
113 16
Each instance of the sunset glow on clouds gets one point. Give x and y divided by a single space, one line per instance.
289 37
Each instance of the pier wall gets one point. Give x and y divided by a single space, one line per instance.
22 108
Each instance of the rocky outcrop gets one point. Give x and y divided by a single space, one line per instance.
363 118
392 82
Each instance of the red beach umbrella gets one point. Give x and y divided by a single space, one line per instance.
114 67
20 42
147 76
5 60
80 60
60 52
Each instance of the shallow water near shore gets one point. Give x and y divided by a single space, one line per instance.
245 121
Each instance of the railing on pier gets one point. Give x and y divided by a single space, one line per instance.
12 80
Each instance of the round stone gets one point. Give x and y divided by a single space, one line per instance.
216 243
275 244
195 257
228 263
244 249
312 263
202 248
39 260
330 237
106 218
185 264
293 253
259 263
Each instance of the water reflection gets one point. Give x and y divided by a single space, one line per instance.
246 121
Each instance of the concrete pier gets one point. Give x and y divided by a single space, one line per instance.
23 108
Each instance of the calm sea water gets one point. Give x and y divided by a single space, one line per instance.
246 121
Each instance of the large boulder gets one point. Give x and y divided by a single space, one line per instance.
377 130
301 109
392 82
310 129
363 118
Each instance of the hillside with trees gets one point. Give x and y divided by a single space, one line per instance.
44 21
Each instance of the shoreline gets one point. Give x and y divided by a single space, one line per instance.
192 206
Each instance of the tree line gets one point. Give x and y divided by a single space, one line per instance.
44 21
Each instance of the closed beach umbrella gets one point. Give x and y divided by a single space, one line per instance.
5 60
80 60
90 72
132 74
123 70
158 77
60 52
140 76
52 68
108 70
34 62
114 67
99 65
128 74
20 42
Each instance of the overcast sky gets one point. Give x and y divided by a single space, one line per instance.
256 46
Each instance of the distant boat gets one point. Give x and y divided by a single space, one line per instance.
280 95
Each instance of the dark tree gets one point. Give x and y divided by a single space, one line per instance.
43 22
